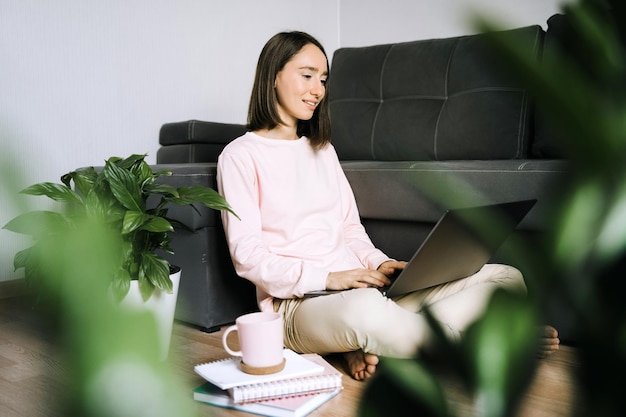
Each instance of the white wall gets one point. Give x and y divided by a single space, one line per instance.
82 80
367 22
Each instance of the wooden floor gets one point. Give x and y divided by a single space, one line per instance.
31 374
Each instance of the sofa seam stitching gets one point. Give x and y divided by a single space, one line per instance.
445 100
196 174
380 102
190 132
521 128
520 168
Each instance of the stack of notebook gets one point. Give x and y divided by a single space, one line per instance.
306 382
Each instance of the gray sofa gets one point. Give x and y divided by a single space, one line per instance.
419 127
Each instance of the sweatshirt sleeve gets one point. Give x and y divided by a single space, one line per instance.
356 236
274 275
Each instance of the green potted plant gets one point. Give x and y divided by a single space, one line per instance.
124 210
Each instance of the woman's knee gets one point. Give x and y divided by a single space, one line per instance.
362 307
508 277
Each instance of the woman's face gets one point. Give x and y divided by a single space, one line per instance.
301 85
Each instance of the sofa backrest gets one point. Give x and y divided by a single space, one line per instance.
195 141
438 99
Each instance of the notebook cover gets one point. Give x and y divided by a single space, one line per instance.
297 406
327 381
226 373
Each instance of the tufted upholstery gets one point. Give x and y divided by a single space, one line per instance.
195 141
406 101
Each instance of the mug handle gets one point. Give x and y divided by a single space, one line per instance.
225 342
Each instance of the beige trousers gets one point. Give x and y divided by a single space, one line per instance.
365 319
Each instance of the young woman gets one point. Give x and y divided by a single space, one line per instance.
300 228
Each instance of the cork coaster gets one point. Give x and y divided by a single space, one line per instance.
263 370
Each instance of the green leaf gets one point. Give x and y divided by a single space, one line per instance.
180 225
165 173
146 173
101 202
403 387
134 220
126 248
84 179
21 259
161 189
417 382
129 162
138 168
57 192
207 196
157 271
579 221
165 247
143 173
38 223
124 186
146 288
160 241
93 206
157 225
502 347
121 284
599 39
611 240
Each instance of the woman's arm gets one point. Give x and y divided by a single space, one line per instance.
356 236
278 276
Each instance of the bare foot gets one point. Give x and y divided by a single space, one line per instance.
549 342
360 365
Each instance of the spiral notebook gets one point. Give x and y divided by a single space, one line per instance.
327 381
226 373
296 406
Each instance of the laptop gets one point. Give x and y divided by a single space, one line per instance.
453 249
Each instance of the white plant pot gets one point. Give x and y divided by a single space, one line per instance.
161 304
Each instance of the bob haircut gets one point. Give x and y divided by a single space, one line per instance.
263 109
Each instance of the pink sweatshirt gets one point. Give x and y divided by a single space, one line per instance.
299 220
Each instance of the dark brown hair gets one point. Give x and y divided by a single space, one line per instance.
263 111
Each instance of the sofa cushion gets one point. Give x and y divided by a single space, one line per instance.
198 131
189 153
419 191
195 141
440 99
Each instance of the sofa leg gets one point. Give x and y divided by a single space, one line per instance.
212 329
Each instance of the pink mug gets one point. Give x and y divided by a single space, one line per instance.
261 341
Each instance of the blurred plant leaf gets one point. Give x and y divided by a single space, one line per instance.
502 347
403 387
38 223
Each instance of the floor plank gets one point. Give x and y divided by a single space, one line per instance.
32 374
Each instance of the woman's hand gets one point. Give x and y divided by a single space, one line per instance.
356 278
392 267
363 278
